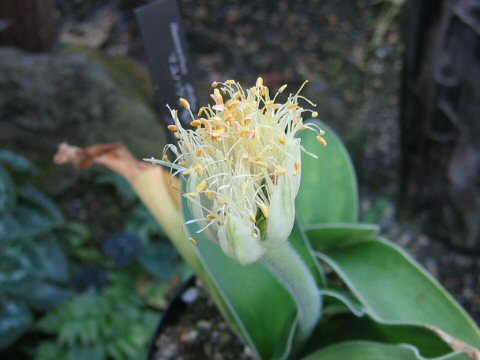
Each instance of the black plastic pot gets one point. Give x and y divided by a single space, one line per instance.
174 311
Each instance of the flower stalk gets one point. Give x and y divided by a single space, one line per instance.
287 266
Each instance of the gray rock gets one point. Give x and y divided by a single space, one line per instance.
46 99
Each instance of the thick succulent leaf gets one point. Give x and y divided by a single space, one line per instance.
336 236
345 326
368 350
8 191
394 289
15 319
340 301
260 309
328 192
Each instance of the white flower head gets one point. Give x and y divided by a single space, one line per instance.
242 165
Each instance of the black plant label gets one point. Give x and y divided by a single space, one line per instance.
168 61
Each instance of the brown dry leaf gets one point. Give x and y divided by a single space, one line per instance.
117 158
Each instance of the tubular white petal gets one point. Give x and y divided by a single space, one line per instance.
282 212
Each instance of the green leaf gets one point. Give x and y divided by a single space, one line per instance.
8 191
53 258
18 270
258 307
33 222
15 319
395 290
159 259
345 326
328 192
336 236
9 229
46 297
17 162
367 350
261 306
40 201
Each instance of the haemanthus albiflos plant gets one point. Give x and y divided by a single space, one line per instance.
243 164
242 167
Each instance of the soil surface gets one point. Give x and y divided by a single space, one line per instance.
200 333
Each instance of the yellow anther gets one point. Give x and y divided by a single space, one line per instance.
172 127
188 171
292 106
259 82
214 84
315 114
205 123
182 163
245 133
185 103
200 170
217 97
322 141
211 216
210 151
193 241
322 132
252 218
202 111
211 195
247 121
165 158
262 164
196 123
258 158
192 195
232 105
265 210
221 202
177 135
230 82
298 165
218 132
202 186
282 88
282 139
200 153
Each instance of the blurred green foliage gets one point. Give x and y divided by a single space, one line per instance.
69 297
34 273
97 325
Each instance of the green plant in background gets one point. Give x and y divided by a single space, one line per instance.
113 323
87 297
324 286
34 271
